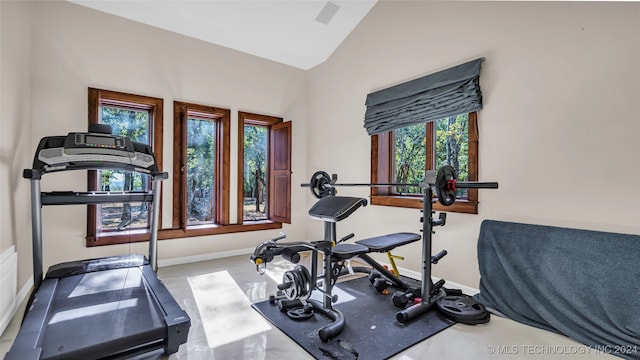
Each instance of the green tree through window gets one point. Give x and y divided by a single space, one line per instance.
139 118
409 157
134 124
255 173
410 151
201 135
404 155
452 146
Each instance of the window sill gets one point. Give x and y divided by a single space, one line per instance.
126 237
118 237
413 202
204 230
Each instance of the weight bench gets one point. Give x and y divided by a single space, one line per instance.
380 244
297 285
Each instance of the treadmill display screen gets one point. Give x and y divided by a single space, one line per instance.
99 140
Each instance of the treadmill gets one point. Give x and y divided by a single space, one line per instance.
105 308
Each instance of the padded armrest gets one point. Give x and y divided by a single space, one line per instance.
335 208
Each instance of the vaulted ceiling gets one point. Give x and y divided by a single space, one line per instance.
299 33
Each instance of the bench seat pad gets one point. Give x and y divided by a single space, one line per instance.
387 242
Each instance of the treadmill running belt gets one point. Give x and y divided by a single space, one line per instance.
97 312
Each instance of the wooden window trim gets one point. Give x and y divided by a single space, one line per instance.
96 98
381 166
215 230
247 118
179 226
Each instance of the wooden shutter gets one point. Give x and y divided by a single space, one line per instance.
280 172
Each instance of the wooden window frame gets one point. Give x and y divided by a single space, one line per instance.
97 98
246 118
179 227
382 171
223 226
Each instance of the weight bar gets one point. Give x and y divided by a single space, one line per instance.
321 184
446 185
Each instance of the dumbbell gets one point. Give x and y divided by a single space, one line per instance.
381 284
402 298
378 281
373 275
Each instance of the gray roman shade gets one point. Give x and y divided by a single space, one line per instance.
445 93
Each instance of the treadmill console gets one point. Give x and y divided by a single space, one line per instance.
88 140
93 151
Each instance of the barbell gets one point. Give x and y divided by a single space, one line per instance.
446 184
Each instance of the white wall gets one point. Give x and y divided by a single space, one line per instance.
74 48
16 152
558 129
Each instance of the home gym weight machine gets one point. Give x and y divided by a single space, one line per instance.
445 184
298 283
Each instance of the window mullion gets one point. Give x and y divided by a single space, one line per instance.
183 167
430 143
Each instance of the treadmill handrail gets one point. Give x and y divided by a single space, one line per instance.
95 197
75 152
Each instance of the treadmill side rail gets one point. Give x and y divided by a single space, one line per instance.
176 319
28 345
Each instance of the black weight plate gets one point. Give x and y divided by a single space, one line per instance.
318 180
446 197
292 291
484 320
305 281
462 308
299 314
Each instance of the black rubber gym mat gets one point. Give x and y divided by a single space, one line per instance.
372 331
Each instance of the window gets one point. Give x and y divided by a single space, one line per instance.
200 169
264 168
140 119
255 189
403 156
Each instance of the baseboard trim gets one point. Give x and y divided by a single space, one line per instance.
24 292
21 297
8 285
204 257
